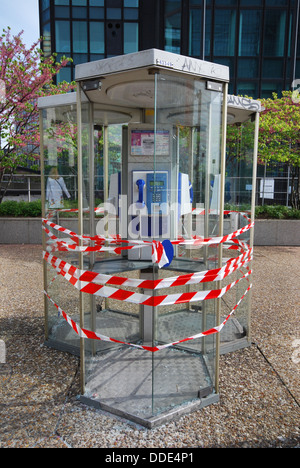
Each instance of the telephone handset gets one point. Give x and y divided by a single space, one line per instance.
141 184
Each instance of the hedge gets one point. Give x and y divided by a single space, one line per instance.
34 210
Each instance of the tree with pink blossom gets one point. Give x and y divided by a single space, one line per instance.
25 75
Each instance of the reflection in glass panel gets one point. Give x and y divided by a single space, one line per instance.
65 74
79 12
247 67
62 35
225 26
80 44
248 89
173 26
62 12
131 37
250 27
195 39
272 68
60 182
97 45
274 30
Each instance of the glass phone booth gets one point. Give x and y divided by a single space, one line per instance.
240 189
135 262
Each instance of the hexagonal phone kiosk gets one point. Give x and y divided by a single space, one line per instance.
134 267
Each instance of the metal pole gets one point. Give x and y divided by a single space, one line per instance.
80 230
221 225
203 29
43 199
296 41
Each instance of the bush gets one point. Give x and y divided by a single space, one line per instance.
276 212
21 209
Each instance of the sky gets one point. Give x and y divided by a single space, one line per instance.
21 15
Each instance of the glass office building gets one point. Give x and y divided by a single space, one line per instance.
258 39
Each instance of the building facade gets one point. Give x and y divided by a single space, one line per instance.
258 39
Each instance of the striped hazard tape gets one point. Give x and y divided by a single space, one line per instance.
88 334
74 276
101 285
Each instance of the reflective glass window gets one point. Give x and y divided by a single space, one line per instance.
173 26
226 2
96 13
250 32
250 3
114 13
225 27
97 3
62 12
80 43
195 47
62 34
131 38
45 4
274 32
97 38
272 68
249 89
247 68
131 3
131 13
79 12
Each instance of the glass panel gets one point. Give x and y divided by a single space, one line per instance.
267 89
45 4
62 12
113 13
193 117
250 3
61 193
247 68
79 12
226 2
97 3
96 13
173 26
97 44
274 32
225 26
238 195
248 89
131 14
272 68
131 38
62 37
131 3
195 40
65 74
47 39
250 27
80 42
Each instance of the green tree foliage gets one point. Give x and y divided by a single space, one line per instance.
279 136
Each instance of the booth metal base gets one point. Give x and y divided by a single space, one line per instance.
160 419
148 389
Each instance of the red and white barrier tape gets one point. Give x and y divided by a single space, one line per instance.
73 275
100 285
88 334
217 274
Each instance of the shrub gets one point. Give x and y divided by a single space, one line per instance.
24 209
276 212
